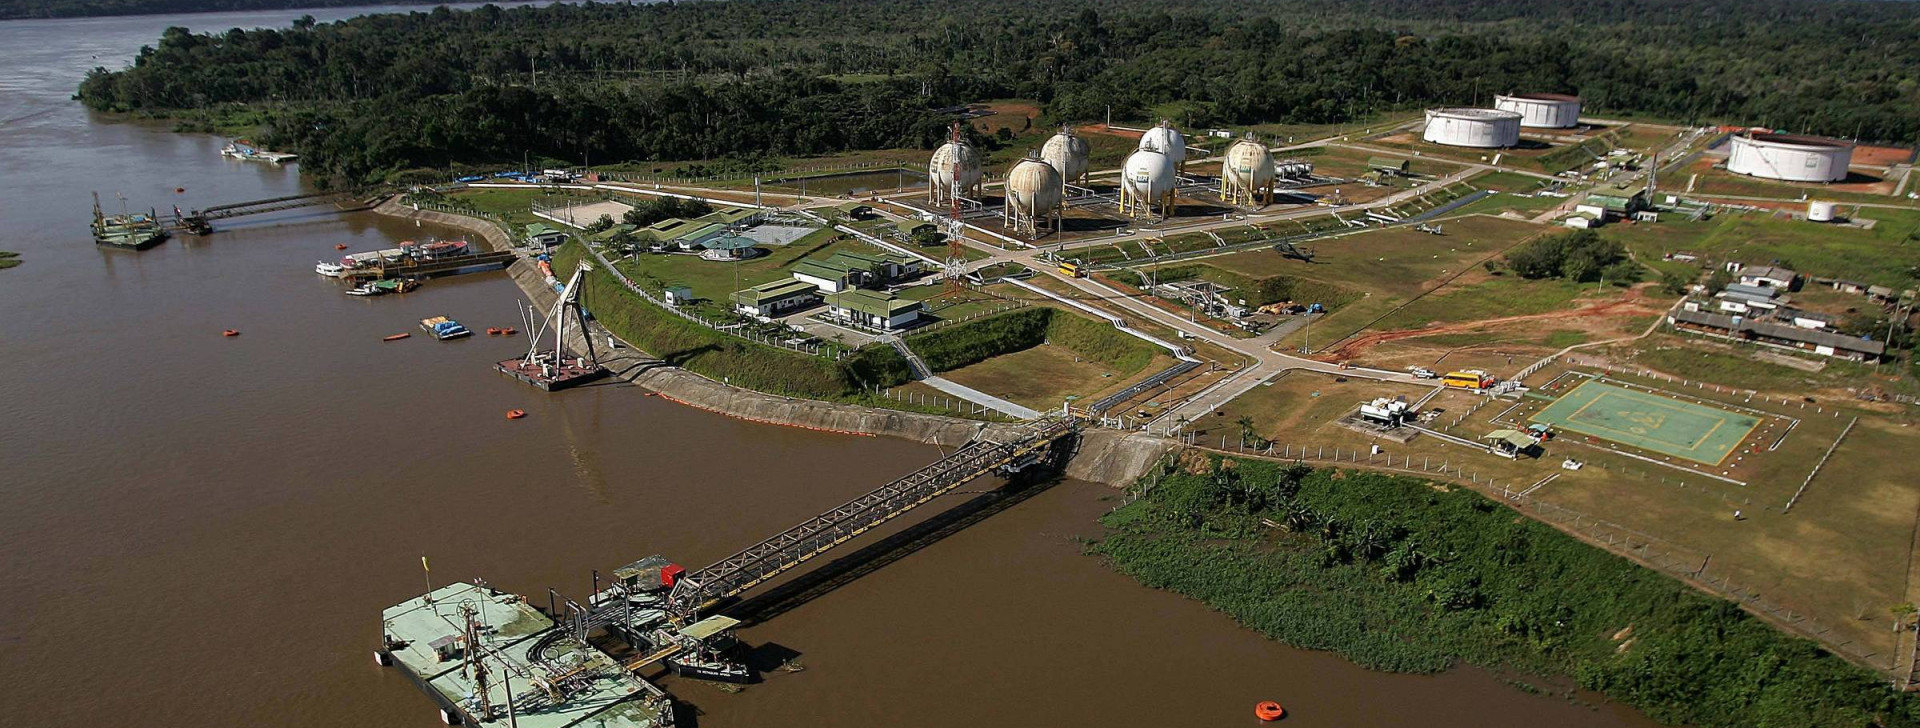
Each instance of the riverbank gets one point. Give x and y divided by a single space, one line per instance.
1103 456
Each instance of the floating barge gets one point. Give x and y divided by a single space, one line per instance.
486 656
541 370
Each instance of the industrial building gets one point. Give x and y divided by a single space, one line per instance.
1034 190
1480 128
1067 152
1542 111
1247 173
1789 157
1147 183
1168 141
1786 336
775 298
872 310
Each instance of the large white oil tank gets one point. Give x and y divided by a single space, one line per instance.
1790 157
1067 152
1146 183
1484 128
1818 211
1542 111
954 170
1168 141
1246 173
1033 196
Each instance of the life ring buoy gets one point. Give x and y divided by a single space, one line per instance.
229 332
1268 710
515 414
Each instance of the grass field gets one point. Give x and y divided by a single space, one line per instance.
1044 376
1649 422
1883 255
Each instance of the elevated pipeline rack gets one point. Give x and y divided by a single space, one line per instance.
200 222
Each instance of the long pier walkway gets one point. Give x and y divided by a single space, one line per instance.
790 548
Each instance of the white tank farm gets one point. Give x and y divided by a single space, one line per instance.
953 161
1167 140
1542 111
1146 183
1033 195
1246 173
1483 128
1067 152
1790 157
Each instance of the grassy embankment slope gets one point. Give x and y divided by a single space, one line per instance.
1399 574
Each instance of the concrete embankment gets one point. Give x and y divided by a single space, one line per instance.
1114 458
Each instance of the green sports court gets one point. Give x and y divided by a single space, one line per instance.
1649 421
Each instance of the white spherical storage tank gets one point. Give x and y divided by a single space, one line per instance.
1067 152
1246 173
954 170
1166 140
1542 111
1484 128
1033 195
1146 184
1790 157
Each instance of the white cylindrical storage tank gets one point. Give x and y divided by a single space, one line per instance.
1246 173
1483 128
1146 184
1067 152
1167 140
1790 157
1542 111
954 169
1033 195
1818 211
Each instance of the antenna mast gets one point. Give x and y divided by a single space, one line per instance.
956 250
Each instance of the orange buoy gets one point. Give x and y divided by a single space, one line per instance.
516 414
1268 710
493 331
396 337
229 332
179 190
340 246
509 331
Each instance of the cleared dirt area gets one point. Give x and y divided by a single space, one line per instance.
1881 156
1600 315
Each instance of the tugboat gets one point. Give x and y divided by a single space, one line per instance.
134 231
365 289
443 328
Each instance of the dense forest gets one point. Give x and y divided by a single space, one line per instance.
368 97
1397 574
18 9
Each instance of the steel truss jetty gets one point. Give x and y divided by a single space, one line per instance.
465 644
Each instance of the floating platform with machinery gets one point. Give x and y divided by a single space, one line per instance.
556 367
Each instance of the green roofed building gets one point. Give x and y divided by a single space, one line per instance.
1389 165
830 276
545 235
872 310
1615 201
775 298
1510 443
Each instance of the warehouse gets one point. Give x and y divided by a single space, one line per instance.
871 310
1789 157
776 298
1787 336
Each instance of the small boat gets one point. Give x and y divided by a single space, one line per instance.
1269 711
514 414
396 337
444 328
395 285
366 289
230 332
330 270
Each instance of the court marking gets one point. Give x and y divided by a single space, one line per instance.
1696 432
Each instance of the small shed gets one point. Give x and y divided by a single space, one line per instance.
1510 443
1389 165
679 295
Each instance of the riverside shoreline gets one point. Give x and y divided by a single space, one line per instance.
1103 456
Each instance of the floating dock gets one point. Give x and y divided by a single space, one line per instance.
456 265
540 370
487 656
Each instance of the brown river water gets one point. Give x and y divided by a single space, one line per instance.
200 531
